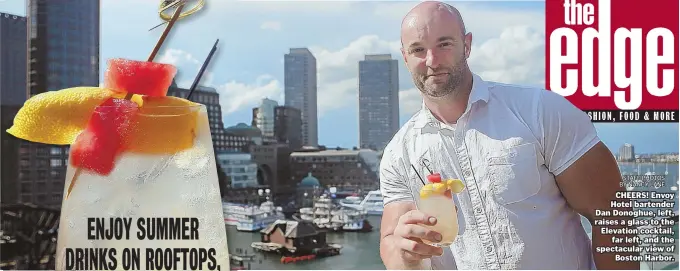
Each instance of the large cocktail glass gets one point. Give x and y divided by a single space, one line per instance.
148 185
436 200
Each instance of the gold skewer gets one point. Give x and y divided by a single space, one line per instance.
174 18
193 10
73 181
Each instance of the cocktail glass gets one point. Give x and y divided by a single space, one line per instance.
436 200
150 180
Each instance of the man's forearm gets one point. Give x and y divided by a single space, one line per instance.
392 258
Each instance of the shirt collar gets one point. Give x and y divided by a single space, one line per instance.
479 92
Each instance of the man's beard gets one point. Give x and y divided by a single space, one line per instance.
454 79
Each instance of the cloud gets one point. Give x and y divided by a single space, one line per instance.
236 95
271 25
516 56
346 59
177 57
410 101
338 70
187 65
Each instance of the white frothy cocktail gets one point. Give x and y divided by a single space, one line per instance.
436 199
163 192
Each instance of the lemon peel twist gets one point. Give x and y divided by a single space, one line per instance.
58 117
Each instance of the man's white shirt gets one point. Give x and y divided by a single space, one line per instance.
507 148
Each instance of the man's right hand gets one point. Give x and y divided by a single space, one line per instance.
410 234
408 237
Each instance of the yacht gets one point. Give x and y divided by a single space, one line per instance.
326 215
349 220
372 203
251 217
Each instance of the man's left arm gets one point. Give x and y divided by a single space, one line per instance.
586 171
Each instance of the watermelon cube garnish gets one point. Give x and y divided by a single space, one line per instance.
98 146
139 77
434 178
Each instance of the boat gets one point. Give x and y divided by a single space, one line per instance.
372 203
349 220
295 241
251 218
326 215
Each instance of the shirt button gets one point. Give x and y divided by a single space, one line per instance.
478 210
489 249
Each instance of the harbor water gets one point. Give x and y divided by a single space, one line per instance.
361 249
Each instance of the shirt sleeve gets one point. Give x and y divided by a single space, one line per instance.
568 132
393 185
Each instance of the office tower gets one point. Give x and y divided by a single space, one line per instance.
12 59
63 52
300 91
288 126
627 153
378 101
12 96
63 44
263 118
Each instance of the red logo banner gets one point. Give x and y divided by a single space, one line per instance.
616 60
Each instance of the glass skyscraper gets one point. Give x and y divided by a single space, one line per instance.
63 44
378 101
301 91
12 96
12 59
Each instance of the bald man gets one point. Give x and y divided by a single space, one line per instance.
531 163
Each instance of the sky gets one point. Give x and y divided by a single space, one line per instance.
508 47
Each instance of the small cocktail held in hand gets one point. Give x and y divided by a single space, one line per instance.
436 199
